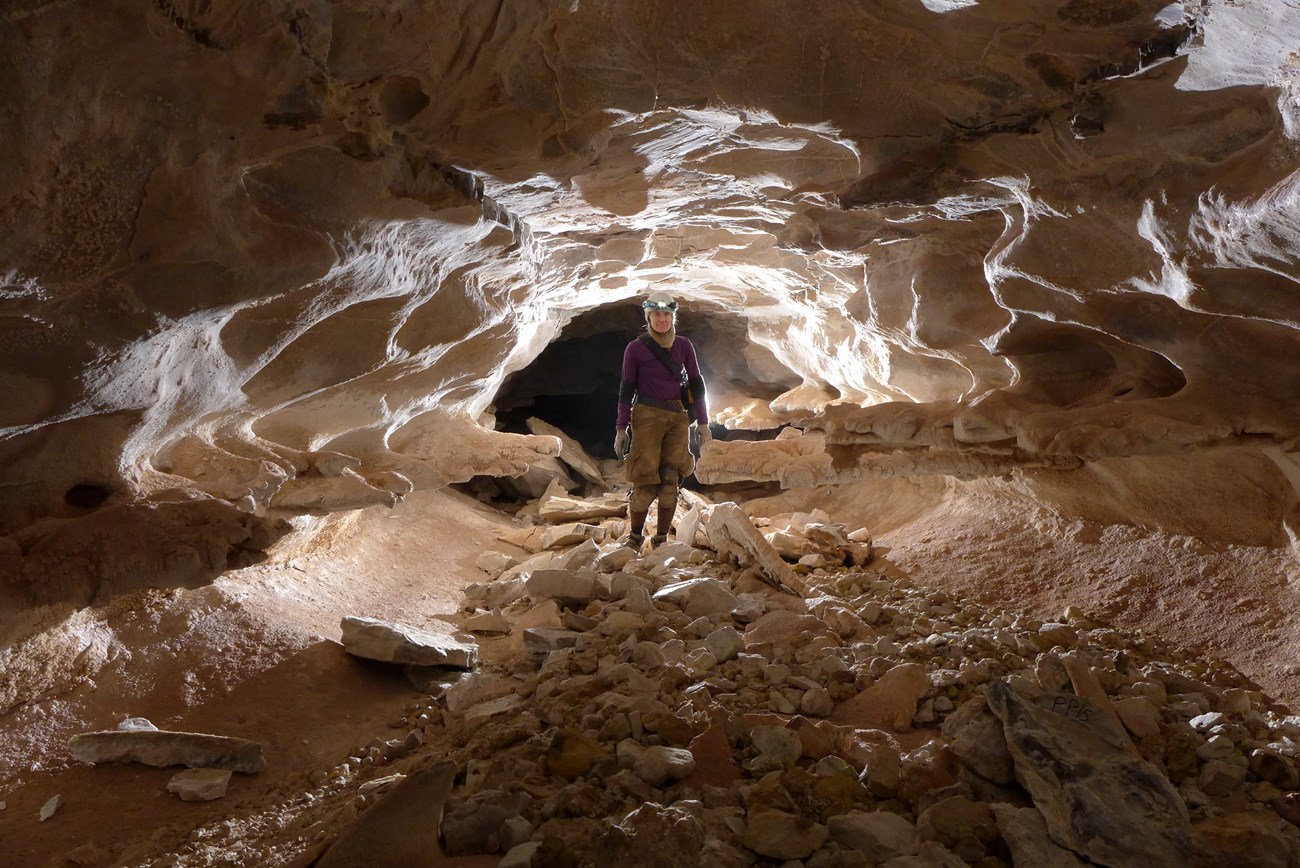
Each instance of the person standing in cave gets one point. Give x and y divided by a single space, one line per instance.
661 396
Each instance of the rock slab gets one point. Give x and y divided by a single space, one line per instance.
161 748
395 643
1097 798
200 785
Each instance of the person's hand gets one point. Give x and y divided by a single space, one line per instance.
620 443
705 434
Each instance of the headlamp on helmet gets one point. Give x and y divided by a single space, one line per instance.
660 301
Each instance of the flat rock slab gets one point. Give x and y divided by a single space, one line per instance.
1098 799
395 643
200 785
161 748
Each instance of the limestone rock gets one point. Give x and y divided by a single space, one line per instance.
779 835
654 836
571 452
401 829
698 597
348 490
881 835
395 643
658 764
200 785
162 748
560 509
487 622
52 805
1025 833
731 533
1239 839
571 534
976 737
573 588
1097 797
890 702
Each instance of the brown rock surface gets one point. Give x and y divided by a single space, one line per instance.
1019 277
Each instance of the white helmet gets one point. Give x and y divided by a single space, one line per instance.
660 301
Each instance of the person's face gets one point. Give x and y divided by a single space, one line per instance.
661 321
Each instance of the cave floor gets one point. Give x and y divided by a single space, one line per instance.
256 655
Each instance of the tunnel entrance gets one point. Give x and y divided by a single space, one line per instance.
573 384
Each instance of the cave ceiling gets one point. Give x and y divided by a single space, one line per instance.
243 236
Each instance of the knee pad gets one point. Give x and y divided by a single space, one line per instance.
668 475
642 496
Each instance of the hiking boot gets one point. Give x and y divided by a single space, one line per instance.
634 541
658 540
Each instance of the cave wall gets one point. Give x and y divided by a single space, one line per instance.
285 254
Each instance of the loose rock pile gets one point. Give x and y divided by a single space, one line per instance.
678 709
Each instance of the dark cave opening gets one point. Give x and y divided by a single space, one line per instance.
573 384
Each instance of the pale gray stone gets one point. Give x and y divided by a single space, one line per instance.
581 557
1025 833
571 534
51 805
621 623
1208 721
817 703
573 588
520 855
648 655
1216 747
657 764
1097 797
200 785
571 452
557 508
473 825
725 643
698 597
777 746
1218 778
749 608
542 640
638 601
137 724
395 643
502 592
487 622
779 835
1139 715
515 831
881 835
615 558
502 705
495 563
479 687
161 748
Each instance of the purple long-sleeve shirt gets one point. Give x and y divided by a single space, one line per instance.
645 375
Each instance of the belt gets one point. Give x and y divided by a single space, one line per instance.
670 406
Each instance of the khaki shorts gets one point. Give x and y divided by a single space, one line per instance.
659 437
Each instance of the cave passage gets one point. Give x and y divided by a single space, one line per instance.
573 384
